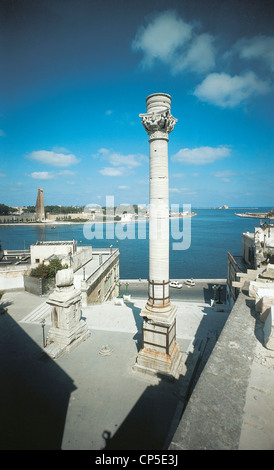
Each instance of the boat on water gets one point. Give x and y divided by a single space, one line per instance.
257 215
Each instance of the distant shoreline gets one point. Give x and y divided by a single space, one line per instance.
57 223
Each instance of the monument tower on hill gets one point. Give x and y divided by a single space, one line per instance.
40 208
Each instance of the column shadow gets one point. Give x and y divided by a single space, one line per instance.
139 322
148 422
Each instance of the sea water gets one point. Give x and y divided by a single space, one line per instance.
214 233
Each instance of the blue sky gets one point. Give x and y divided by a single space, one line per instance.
74 79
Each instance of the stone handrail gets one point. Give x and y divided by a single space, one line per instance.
101 268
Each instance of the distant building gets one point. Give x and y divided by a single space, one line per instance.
96 271
42 251
257 253
23 217
40 208
15 219
69 216
258 247
14 264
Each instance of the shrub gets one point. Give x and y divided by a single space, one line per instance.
54 266
41 271
48 271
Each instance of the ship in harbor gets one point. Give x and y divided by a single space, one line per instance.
258 215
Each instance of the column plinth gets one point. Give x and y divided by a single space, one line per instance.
160 352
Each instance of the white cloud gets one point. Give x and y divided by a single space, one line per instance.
60 149
2 175
67 173
53 158
42 175
162 37
201 155
118 159
174 190
258 47
121 164
181 190
225 173
225 91
200 56
110 171
123 187
177 175
169 39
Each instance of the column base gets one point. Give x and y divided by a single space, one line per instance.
160 355
61 341
167 366
159 314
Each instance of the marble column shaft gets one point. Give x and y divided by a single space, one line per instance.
160 353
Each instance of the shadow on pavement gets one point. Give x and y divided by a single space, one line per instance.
148 422
139 322
34 392
210 292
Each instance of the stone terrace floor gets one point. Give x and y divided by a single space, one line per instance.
89 401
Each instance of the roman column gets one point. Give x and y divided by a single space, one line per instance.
160 352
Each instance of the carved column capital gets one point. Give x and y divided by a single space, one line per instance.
158 125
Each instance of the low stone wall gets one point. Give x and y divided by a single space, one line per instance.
33 285
38 286
81 257
213 417
95 282
12 277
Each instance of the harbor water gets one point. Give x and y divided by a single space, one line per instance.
213 234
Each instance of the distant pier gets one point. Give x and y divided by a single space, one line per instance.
257 215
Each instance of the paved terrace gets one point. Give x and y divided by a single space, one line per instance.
91 401
232 405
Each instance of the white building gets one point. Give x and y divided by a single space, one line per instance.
257 253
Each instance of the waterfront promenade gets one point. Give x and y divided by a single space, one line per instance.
92 401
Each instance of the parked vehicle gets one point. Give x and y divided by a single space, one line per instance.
189 282
175 284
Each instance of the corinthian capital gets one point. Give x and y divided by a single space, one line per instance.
162 123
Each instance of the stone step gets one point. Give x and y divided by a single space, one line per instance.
42 312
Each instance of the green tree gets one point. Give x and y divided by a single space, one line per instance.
41 271
54 266
48 271
5 210
29 209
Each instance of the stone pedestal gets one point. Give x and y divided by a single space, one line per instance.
160 353
68 329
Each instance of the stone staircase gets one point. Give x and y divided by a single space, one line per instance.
42 312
